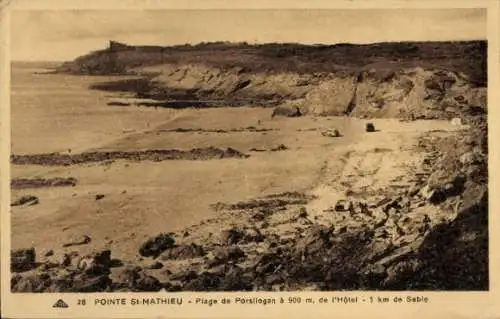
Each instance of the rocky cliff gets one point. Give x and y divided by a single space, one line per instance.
426 80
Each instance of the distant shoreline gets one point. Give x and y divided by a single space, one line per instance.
36 64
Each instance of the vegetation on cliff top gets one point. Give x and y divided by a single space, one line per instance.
468 57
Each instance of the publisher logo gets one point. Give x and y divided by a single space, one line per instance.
60 304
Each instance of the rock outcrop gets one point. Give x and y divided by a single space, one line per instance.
405 80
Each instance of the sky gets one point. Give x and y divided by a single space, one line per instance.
43 35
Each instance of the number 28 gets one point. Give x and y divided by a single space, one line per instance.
81 302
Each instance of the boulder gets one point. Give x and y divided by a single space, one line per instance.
331 133
22 260
342 205
316 239
394 203
81 240
229 278
302 213
231 236
185 275
156 265
400 273
183 251
31 283
127 275
276 258
439 192
287 111
49 265
370 127
64 284
413 190
206 281
28 200
224 255
96 264
432 195
147 283
153 247
373 275
135 279
471 158
281 147
86 283
69 259
253 235
233 278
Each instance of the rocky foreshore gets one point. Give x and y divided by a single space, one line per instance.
431 234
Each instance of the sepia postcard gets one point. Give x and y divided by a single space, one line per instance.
258 159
